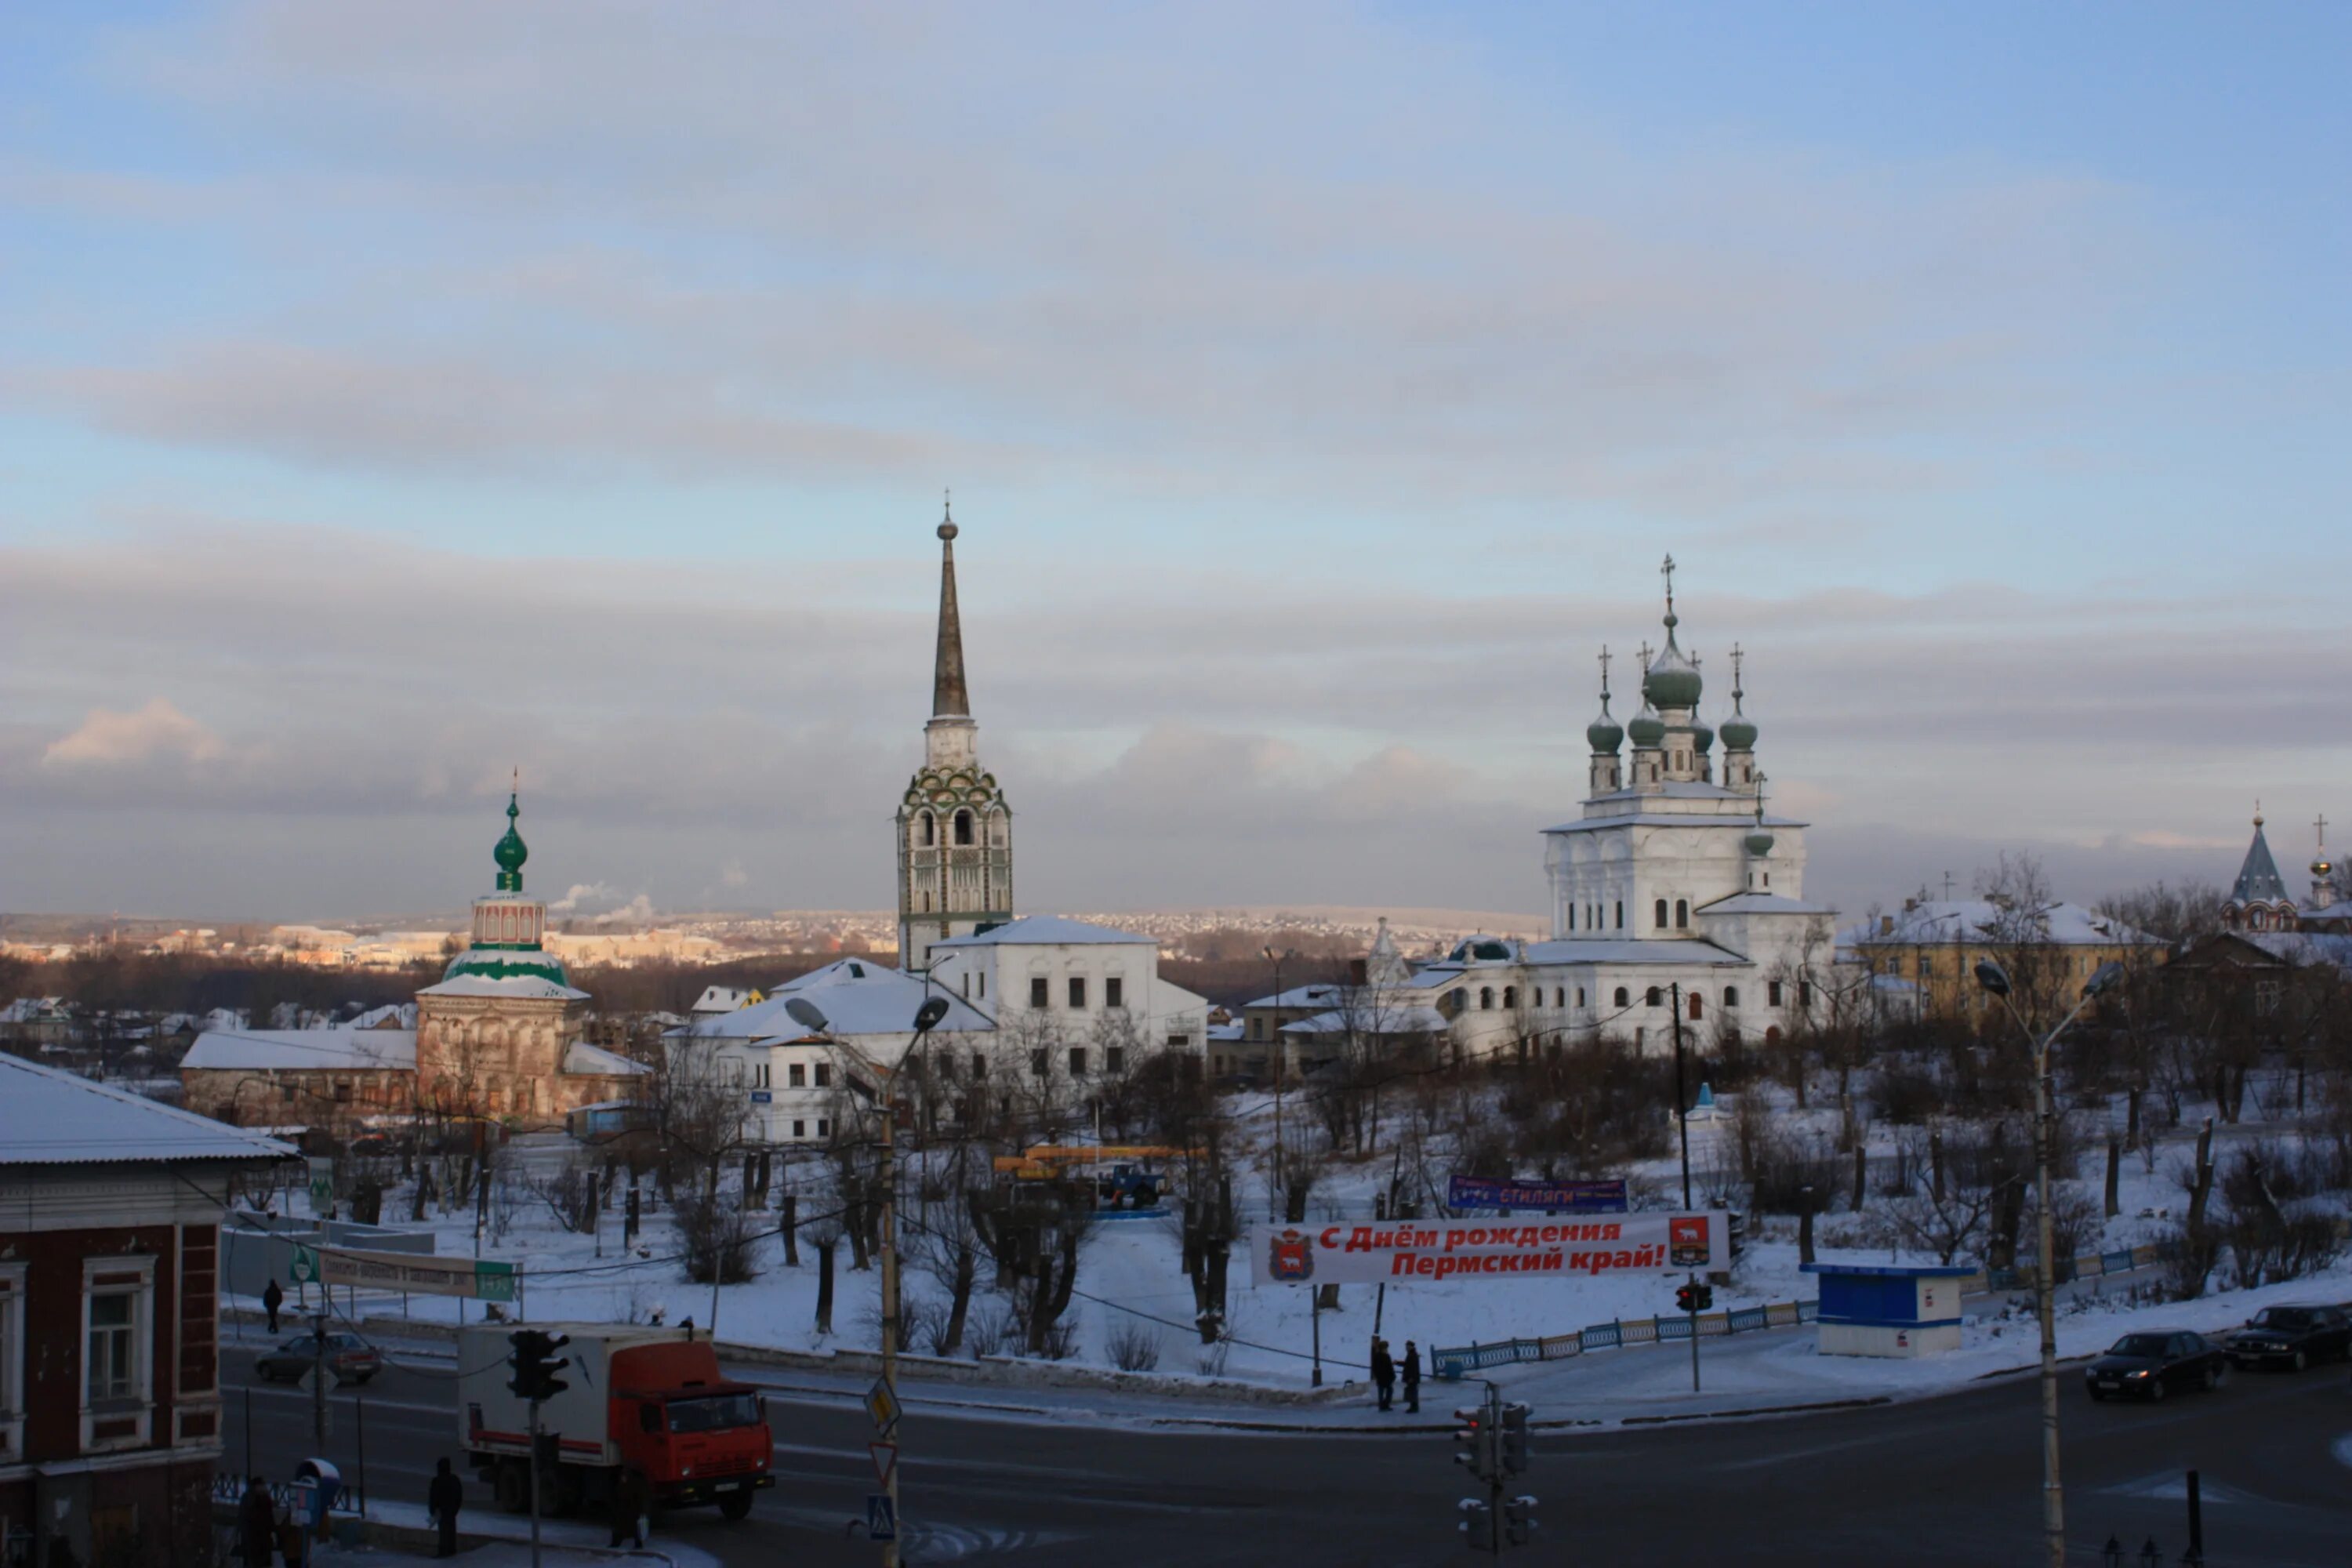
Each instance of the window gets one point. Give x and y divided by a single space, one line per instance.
1510 996
1038 1063
1662 914
285 1094
342 1093
1620 914
1078 1061
796 1076
1579 995
1926 966
1771 993
1037 994
1559 996
12 1361
930 832
967 987
979 1064
824 1128
963 826
983 984
1114 992
1694 1005
1731 995
1656 996
1115 1057
1681 914
2266 997
800 1128
1257 1029
1624 998
1804 992
927 901
1485 998
113 1345
824 1074
1571 917
1077 990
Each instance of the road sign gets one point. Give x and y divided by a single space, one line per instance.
420 1274
885 1459
763 1097
881 1518
303 1269
882 1404
323 1184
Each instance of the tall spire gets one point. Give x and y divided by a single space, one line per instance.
949 698
510 852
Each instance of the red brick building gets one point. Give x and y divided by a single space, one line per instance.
110 1313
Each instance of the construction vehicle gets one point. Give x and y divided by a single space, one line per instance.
631 1397
1125 1175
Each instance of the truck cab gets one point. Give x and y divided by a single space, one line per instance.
697 1439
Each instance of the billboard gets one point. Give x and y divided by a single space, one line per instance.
419 1274
1400 1251
1563 1198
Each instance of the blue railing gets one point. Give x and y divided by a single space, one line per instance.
1458 1362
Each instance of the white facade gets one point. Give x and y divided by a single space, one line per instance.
1674 876
1091 988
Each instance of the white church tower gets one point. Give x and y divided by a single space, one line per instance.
955 832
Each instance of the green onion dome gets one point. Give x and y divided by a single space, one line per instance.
1738 732
1759 843
1605 733
1701 737
1646 729
510 852
1671 680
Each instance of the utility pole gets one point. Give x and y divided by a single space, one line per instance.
319 1373
1682 1119
1281 1066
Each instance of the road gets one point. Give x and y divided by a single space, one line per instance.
1950 1480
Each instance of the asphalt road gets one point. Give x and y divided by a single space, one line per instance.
1950 1480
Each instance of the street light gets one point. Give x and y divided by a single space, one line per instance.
927 1018
1281 1069
1993 979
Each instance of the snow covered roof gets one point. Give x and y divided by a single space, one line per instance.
1597 950
1930 922
1743 821
346 1049
34 1009
720 999
2258 877
1763 904
582 1057
856 995
1046 930
529 986
391 1015
1300 997
2303 947
49 1118
1413 1020
1232 1031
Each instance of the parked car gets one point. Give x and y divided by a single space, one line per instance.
2293 1336
2152 1363
350 1360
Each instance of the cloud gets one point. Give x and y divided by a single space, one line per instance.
108 739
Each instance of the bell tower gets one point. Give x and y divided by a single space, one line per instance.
954 830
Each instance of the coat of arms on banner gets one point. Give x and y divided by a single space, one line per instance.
1291 1256
1686 1241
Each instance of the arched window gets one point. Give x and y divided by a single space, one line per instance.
1571 917
963 826
930 831
1579 995
1657 996
1772 1036
1772 994
1694 1005
1485 998
1624 999
1461 997
1731 995
1681 914
1510 996
1559 996
1662 914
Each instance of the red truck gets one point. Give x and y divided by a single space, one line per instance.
647 1399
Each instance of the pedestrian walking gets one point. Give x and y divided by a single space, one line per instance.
633 1499
257 1524
272 1298
443 1498
1411 1377
1383 1372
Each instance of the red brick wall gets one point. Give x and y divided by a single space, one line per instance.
53 1329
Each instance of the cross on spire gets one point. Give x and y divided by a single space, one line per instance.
1667 572
2320 822
1604 672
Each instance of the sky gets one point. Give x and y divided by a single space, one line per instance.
396 396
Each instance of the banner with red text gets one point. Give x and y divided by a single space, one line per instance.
1401 1251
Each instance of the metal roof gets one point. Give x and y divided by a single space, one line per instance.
52 1118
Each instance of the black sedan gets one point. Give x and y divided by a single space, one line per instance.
2292 1337
2152 1363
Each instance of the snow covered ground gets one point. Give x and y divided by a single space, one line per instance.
1130 1279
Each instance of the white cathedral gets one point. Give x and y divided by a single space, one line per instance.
1675 889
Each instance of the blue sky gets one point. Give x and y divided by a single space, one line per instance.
390 394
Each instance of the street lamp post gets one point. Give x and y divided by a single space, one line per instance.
1682 1119
927 1018
1995 980
1281 1070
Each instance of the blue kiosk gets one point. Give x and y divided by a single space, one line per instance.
1890 1309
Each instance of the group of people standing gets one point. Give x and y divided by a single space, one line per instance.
1387 1369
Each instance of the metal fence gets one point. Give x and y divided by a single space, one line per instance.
1454 1363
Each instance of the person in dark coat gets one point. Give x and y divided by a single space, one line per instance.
1383 1372
256 1525
271 1300
443 1498
633 1499
1411 1377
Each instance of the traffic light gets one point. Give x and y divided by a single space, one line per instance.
1518 1519
1514 1439
535 1364
1685 1297
1705 1297
1477 1525
1473 1442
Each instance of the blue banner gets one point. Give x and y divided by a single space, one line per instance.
1558 1197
